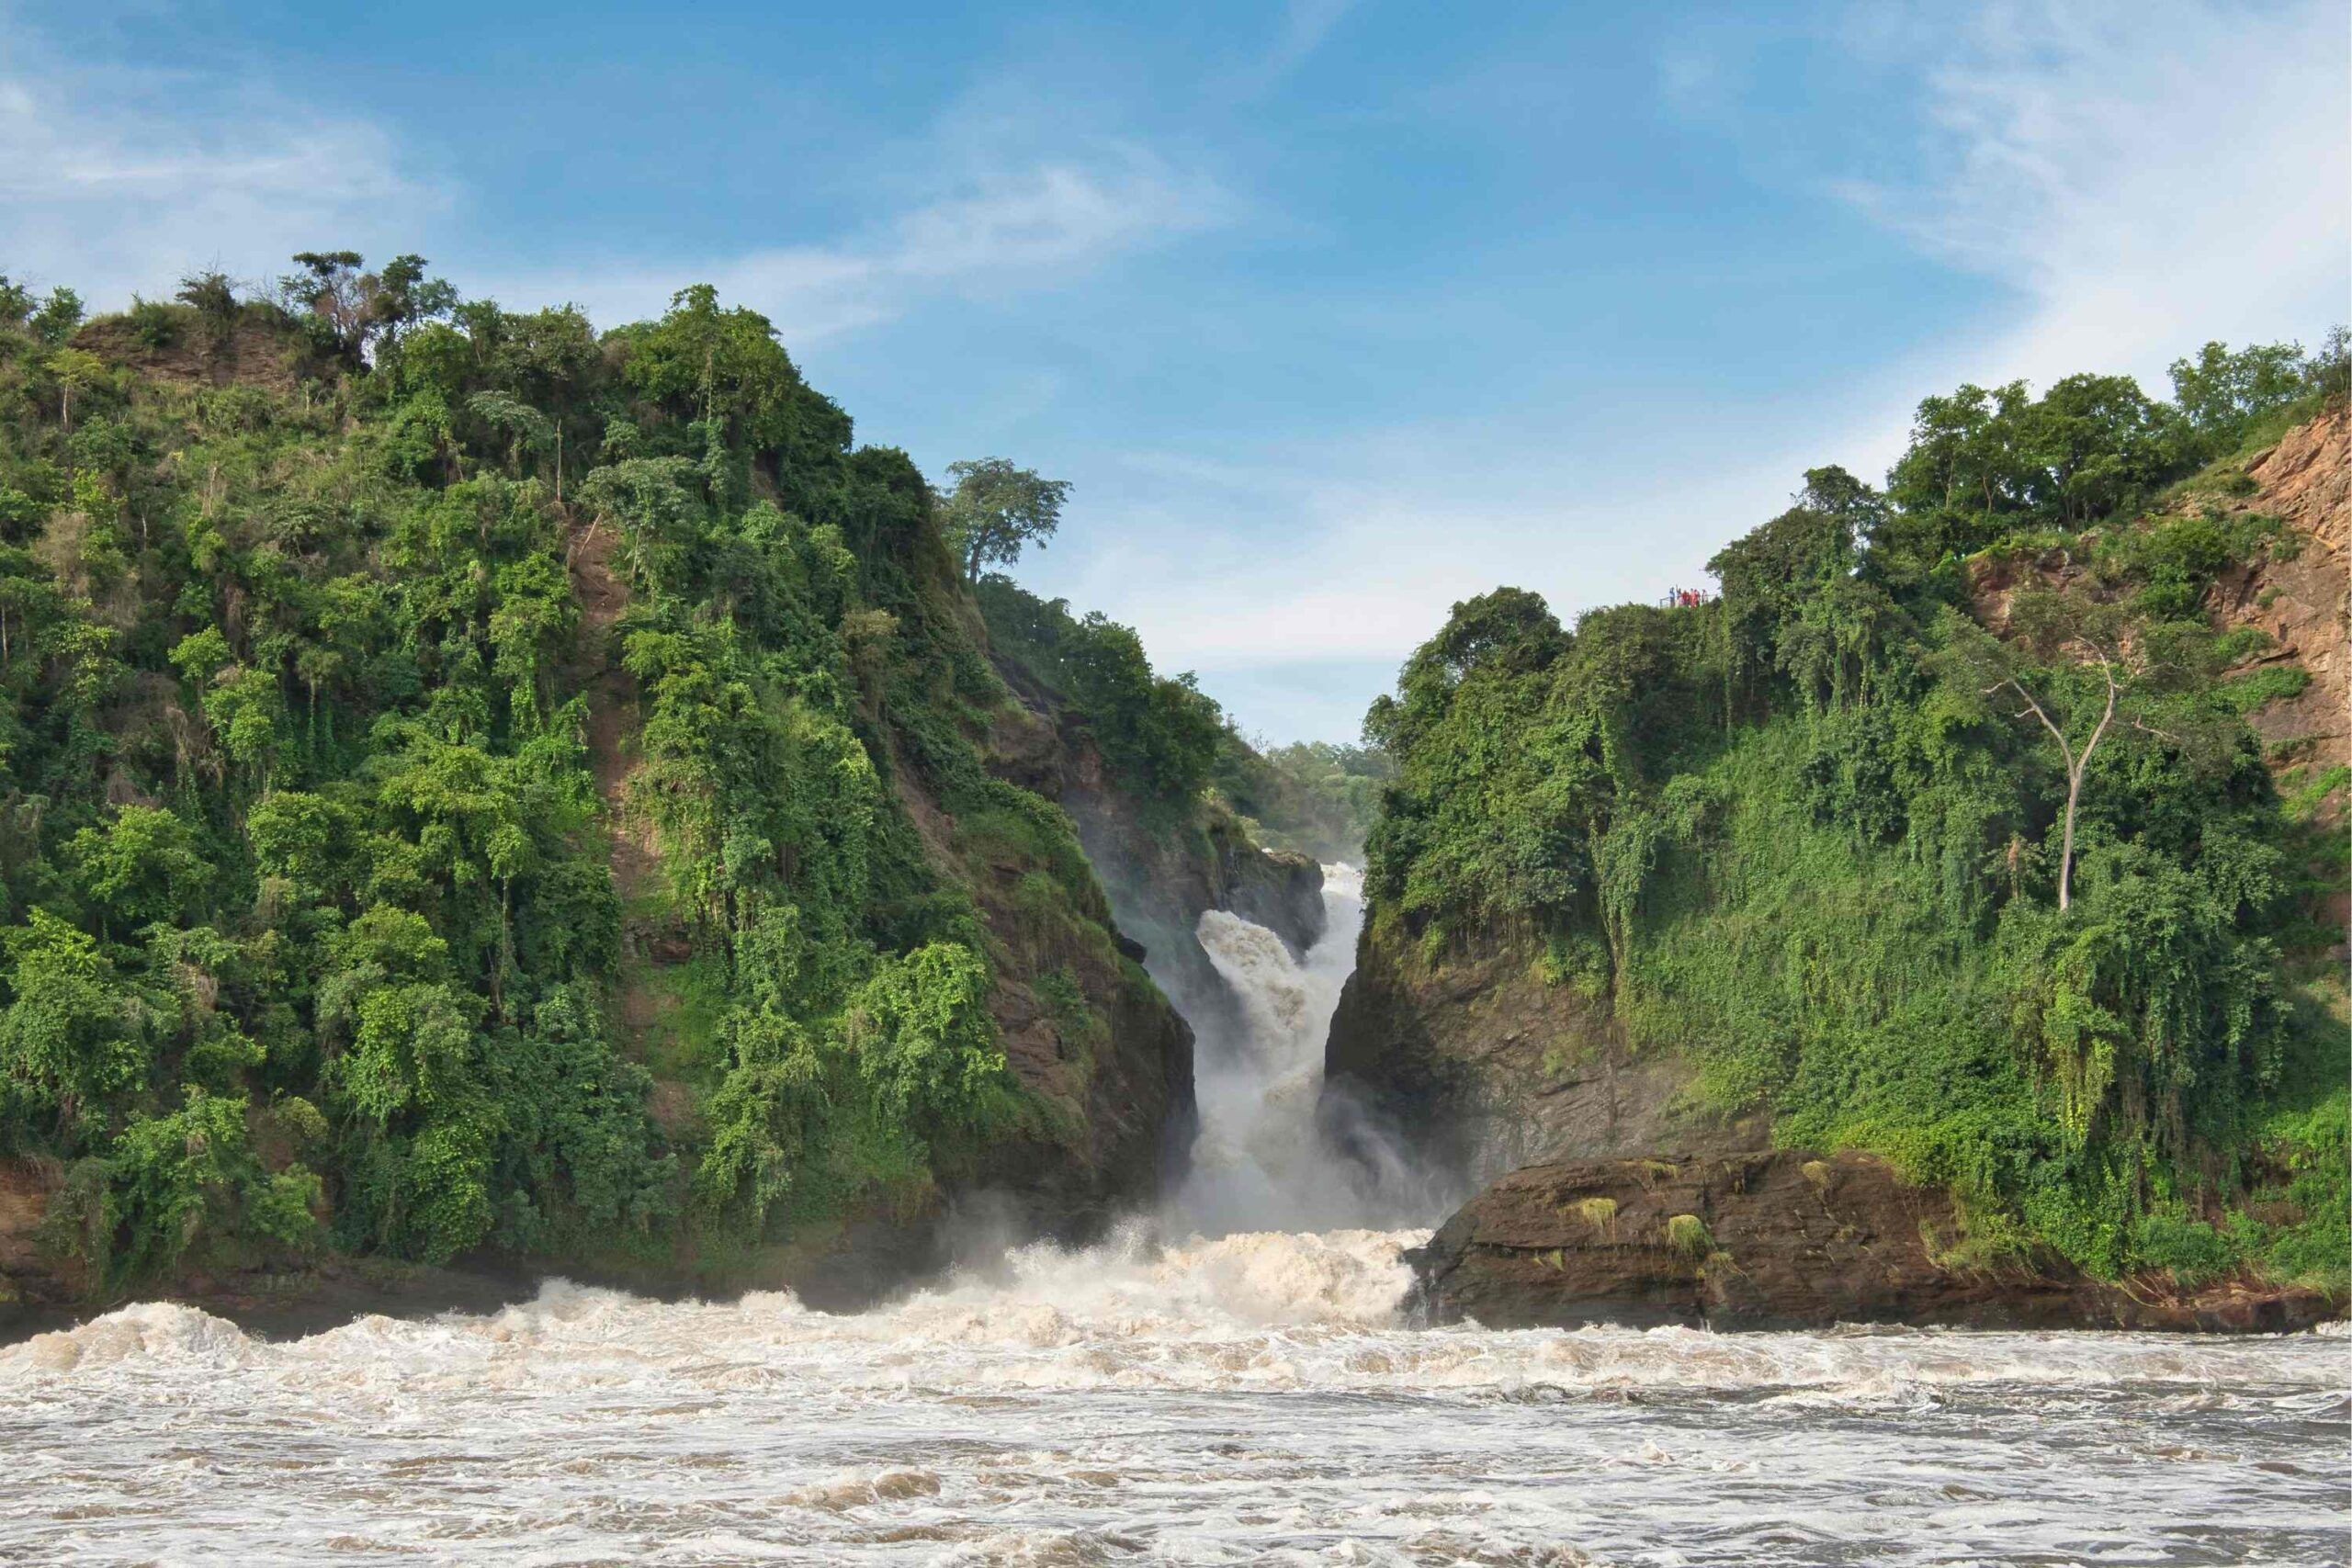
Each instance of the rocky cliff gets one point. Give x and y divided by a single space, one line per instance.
531 819
1780 1240
2300 601
1487 1062
1482 1064
1684 884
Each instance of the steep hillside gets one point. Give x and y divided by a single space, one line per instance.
478 789
1135 759
1805 866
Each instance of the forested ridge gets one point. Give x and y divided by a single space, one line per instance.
470 781
1940 833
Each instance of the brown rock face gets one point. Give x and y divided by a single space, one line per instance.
256 351
25 1274
1483 1067
2306 481
1779 1240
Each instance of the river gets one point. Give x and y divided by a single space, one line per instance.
1243 1395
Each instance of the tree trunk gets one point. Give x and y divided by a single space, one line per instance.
2066 839
2075 765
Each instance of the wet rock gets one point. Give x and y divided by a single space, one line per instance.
1784 1239
1481 1067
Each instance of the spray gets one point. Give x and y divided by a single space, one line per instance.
1260 1162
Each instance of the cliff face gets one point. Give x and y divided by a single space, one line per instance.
1780 1240
1161 880
609 856
2300 601
1162 858
1484 1066
1469 1051
1777 851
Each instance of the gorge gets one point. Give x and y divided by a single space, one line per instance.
568 946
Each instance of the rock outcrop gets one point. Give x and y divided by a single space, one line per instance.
1482 1065
1778 1240
2299 596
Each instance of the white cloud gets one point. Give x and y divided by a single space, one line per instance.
2145 176
1306 25
2142 177
114 179
997 228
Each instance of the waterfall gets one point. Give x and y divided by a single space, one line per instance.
1260 1162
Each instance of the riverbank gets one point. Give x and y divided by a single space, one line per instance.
1784 1240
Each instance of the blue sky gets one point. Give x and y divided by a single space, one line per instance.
1333 311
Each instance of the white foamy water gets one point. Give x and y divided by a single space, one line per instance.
1257 1161
1254 1398
1246 1400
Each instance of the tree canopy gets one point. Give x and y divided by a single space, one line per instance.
997 510
1940 833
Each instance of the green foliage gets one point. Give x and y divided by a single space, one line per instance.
1818 835
309 922
1310 796
996 511
2222 394
2303 1167
2258 689
69 1040
190 1179
1162 737
1688 1234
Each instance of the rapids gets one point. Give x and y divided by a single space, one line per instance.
1246 1400
1238 1396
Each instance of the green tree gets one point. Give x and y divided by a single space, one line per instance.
2222 391
212 295
76 371
58 317
328 289
66 1039
402 296
996 510
144 865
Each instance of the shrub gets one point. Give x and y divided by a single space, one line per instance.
1688 1234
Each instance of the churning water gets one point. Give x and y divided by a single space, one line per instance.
1251 1398
1260 1162
1246 1400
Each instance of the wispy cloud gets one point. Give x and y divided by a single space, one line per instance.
114 178
997 228
2145 176
2142 177
1305 23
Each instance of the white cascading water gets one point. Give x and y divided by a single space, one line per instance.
1247 1395
1259 1162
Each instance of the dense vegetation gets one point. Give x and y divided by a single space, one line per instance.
1310 796
424 726
1169 741
1941 832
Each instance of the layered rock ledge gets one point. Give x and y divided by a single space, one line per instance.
1782 1240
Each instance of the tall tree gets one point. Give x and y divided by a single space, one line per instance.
2080 667
997 509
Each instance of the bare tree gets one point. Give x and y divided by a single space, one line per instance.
2076 761
2075 663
